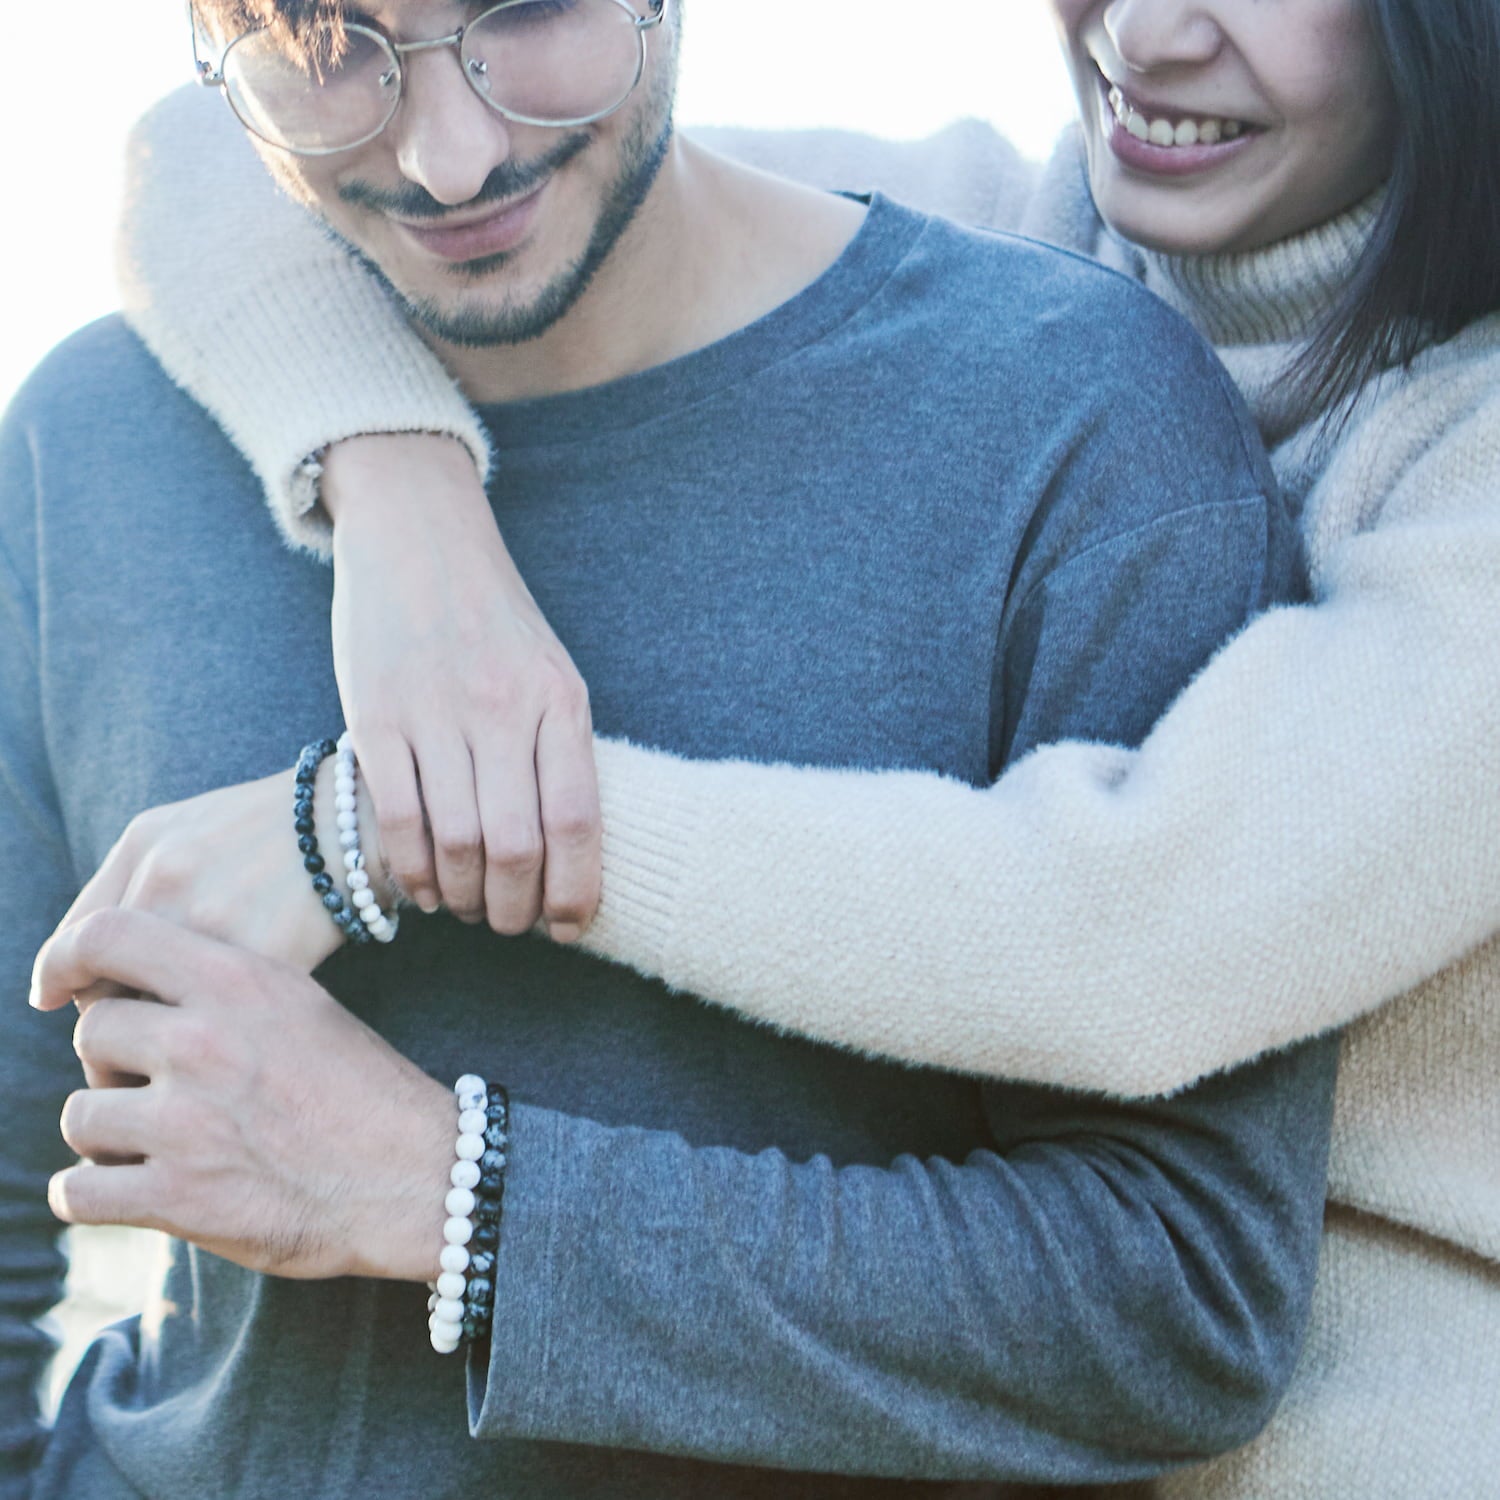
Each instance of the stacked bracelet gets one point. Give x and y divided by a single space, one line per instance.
381 927
461 1307
312 757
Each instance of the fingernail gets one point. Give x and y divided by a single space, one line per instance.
427 902
565 932
34 999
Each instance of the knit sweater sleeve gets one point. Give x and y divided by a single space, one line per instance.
1310 830
261 317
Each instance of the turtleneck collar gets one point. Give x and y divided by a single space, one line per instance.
1275 295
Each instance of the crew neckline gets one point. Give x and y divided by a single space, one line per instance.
880 244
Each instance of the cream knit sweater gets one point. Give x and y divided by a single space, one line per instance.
1310 833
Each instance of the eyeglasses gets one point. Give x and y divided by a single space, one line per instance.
537 62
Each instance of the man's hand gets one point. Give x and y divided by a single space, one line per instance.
470 720
273 1128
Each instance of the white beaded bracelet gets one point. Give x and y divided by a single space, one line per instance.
445 1307
383 927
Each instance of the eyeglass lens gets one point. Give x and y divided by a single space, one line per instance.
545 62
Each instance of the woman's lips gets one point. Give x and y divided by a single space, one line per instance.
496 232
1198 145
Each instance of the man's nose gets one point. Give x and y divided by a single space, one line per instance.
1153 34
448 140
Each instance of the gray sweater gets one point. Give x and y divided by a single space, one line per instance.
825 539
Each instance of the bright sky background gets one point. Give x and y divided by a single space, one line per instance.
78 74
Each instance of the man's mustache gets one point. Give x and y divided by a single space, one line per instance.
509 180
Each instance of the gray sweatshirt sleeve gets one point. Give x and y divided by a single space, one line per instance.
37 1066
1105 1290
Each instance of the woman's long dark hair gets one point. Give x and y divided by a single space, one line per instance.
1433 262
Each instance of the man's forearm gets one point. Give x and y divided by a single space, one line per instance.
1090 1307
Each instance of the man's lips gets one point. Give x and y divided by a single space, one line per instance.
493 231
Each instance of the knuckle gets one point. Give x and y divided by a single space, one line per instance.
570 695
74 1118
459 844
574 822
400 822
100 934
568 906
517 852
496 697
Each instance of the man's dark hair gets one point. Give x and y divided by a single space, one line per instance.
1432 265
311 29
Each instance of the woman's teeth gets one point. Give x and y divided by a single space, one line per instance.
1188 132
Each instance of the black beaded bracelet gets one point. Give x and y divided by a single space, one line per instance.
489 1199
344 917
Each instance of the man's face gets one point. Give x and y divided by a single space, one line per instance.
487 231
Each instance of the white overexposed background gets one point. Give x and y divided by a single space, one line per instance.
78 74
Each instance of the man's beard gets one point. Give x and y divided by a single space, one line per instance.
642 154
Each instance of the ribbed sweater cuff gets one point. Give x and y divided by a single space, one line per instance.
655 810
304 358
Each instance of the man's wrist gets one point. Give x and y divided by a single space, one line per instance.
404 1238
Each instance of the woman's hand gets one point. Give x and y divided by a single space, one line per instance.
470 721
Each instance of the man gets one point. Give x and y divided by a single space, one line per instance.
889 493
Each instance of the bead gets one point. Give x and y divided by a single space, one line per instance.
450 1284
469 1083
358 880
474 1329
303 808
459 1203
467 1101
481 1290
495 1136
454 1258
307 844
370 915
345 802
492 1161
362 897
490 1183
347 820
471 1122
444 1344
304 827
449 1310
432 1297
333 901
465 1174
468 1147
353 860
349 838
383 932
314 864
486 1236
458 1231
481 1263
323 883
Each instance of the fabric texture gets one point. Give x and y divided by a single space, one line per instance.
722 1247
1308 835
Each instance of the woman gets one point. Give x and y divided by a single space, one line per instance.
1316 184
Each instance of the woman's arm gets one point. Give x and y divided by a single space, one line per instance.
1309 831
260 316
471 721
